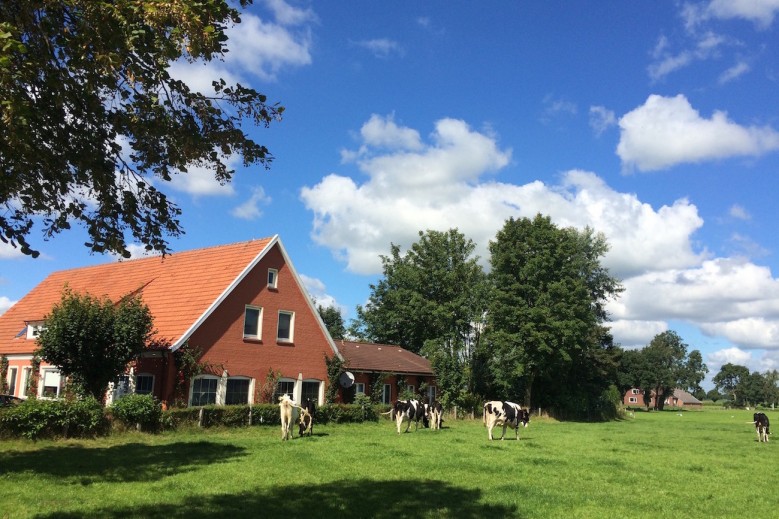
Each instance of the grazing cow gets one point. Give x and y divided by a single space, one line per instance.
505 414
307 415
411 410
762 427
288 411
436 413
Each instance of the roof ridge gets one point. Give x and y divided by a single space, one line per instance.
160 256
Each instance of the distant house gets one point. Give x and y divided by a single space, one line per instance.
241 305
386 365
634 397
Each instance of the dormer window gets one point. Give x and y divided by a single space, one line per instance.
34 329
273 277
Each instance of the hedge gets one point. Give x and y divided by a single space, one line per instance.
36 419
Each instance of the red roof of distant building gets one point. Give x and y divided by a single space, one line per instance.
364 356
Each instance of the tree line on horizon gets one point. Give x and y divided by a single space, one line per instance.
533 329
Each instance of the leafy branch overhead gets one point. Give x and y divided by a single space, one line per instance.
91 121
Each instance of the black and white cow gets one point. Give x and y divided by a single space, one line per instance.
436 414
762 426
505 414
410 410
307 416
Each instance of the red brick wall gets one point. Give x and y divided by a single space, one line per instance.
220 337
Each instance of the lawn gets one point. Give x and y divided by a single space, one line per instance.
663 464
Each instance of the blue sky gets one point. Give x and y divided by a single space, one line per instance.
656 123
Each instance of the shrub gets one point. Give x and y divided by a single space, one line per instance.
143 412
34 419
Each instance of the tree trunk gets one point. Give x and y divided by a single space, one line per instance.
528 389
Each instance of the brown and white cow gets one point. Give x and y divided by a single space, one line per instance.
307 415
288 410
505 414
762 427
435 414
410 410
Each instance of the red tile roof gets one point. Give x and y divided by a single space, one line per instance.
363 356
179 289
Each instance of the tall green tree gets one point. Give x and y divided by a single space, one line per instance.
666 357
91 340
82 79
694 372
728 379
431 300
547 308
333 320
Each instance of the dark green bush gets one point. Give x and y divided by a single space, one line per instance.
36 419
140 411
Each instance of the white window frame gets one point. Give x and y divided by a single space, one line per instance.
250 390
144 375
295 389
411 389
273 278
26 374
34 329
291 337
359 388
203 377
42 384
13 372
259 322
635 391
431 393
386 394
319 391
632 400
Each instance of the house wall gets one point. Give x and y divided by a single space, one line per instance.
365 378
221 339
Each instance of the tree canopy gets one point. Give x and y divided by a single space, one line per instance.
545 318
662 366
431 300
91 340
728 379
333 320
92 123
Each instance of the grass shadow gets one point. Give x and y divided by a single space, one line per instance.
337 499
121 463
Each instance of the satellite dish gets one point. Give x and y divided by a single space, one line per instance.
346 379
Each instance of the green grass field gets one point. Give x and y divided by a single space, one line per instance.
663 464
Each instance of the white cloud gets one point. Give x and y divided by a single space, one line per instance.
5 304
557 107
601 119
383 132
666 131
286 14
738 212
748 332
636 333
257 48
442 185
728 297
760 12
729 355
250 210
705 46
381 47
7 251
318 291
200 181
734 72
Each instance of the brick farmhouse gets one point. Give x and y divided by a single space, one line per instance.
240 308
